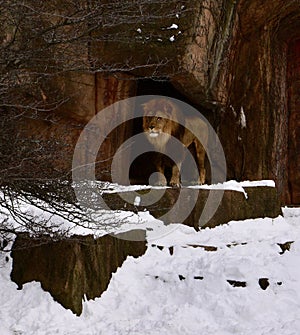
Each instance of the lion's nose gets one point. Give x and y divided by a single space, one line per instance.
151 127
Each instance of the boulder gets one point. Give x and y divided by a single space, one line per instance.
73 269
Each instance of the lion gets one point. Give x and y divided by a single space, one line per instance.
159 130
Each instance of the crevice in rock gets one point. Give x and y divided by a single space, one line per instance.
263 283
237 283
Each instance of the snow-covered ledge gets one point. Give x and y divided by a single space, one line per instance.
240 201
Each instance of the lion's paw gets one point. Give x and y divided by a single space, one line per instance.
175 184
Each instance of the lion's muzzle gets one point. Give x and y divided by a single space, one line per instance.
153 134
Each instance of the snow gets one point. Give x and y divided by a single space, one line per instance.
233 110
180 290
172 38
137 201
233 185
243 122
146 295
173 26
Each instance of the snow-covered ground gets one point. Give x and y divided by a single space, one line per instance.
183 288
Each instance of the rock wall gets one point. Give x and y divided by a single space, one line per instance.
57 131
74 269
260 88
294 121
177 205
236 64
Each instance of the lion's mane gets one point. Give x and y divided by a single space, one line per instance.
164 116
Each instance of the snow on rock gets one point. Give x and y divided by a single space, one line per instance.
243 122
257 183
232 185
137 201
236 186
183 291
173 26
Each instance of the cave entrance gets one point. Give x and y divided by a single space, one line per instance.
294 120
142 167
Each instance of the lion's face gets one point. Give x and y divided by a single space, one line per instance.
156 122
156 125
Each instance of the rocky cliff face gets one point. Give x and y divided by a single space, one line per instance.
259 86
238 61
233 59
293 85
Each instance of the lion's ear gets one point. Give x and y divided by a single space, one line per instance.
167 108
144 106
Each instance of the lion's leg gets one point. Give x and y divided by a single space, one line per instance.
175 179
159 178
200 154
